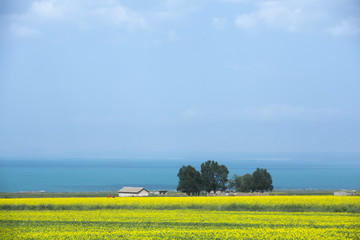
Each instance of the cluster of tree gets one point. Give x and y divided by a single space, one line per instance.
212 177
259 181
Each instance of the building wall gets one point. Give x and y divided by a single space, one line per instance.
125 195
143 193
344 194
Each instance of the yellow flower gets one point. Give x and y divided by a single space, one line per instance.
179 218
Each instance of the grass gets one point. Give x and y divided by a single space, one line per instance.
56 195
74 194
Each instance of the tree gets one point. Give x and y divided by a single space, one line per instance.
241 183
262 180
268 181
189 180
214 176
247 183
234 182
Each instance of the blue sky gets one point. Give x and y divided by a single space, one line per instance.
112 77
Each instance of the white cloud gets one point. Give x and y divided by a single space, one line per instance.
99 119
120 15
234 1
89 15
347 27
173 36
246 21
174 3
47 9
190 113
288 112
82 14
276 14
23 31
219 23
269 112
169 11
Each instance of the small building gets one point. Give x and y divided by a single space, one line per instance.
133 192
345 193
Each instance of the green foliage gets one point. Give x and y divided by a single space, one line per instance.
241 183
189 180
214 176
247 182
261 180
234 182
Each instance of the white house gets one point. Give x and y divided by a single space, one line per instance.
133 192
345 193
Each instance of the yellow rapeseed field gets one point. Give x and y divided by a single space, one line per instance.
179 218
309 202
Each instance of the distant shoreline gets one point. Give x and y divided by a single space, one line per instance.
43 194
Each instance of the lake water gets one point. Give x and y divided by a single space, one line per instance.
288 170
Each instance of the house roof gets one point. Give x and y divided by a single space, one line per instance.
132 190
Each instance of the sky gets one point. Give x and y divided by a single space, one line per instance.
117 77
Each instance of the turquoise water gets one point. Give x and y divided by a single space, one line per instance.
289 171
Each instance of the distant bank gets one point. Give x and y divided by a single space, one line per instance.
170 194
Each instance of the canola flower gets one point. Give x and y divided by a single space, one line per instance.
258 203
181 218
178 224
